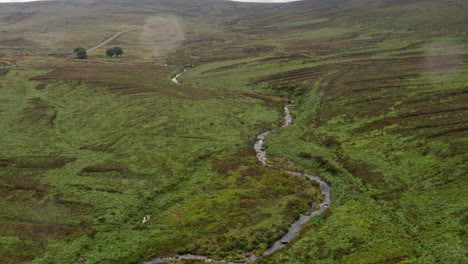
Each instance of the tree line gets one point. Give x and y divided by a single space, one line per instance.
80 53
115 51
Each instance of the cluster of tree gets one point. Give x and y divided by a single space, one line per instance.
80 53
115 51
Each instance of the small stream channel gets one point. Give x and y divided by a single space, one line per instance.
174 80
295 227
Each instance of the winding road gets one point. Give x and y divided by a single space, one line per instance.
116 35
295 227
104 42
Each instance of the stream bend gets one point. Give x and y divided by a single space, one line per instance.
295 227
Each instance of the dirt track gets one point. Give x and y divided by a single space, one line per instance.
116 35
106 41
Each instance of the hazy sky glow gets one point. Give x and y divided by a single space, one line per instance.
266 1
246 1
18 1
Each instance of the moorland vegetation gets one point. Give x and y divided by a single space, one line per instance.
90 147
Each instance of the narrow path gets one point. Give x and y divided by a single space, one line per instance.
106 41
295 227
111 38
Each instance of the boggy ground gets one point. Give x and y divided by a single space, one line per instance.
89 150
90 147
380 114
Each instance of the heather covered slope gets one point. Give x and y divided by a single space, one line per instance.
381 113
89 148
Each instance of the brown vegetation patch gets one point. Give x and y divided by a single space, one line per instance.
18 42
445 62
39 113
36 162
112 170
264 97
76 205
371 87
360 44
17 17
295 56
103 147
225 165
122 79
428 117
33 214
208 50
106 167
364 171
38 191
230 67
310 74
233 162
38 231
40 86
46 231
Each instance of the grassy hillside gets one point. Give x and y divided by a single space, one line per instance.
381 113
90 147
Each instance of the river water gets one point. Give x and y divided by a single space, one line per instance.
295 227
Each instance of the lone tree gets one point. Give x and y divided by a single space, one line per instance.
117 51
110 52
80 53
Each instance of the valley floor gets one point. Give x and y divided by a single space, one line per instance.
92 147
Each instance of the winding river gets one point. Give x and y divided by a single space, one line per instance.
295 227
174 80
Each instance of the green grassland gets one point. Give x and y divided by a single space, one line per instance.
380 113
90 147
82 163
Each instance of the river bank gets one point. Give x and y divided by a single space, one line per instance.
294 228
